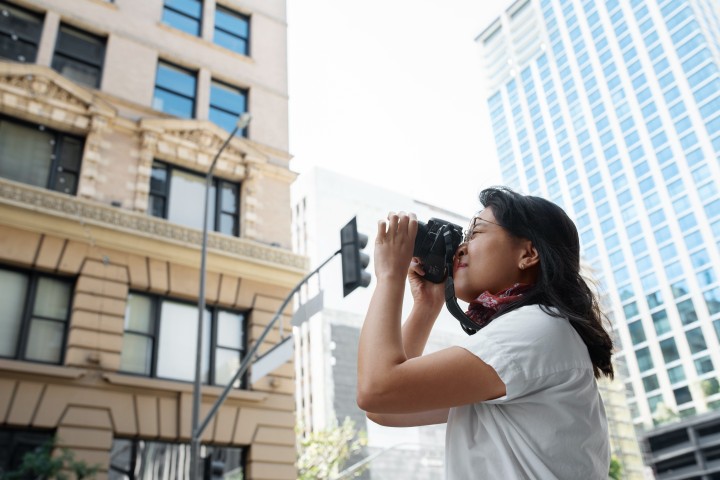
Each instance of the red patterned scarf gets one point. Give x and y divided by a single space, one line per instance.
486 305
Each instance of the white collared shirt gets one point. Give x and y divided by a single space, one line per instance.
551 423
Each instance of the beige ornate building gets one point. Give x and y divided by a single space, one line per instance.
110 116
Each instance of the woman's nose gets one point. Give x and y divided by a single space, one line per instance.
461 250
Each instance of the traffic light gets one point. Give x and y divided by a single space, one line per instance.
354 262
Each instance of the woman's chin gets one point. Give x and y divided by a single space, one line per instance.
464 296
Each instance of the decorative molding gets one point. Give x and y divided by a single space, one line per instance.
195 143
43 84
79 209
43 87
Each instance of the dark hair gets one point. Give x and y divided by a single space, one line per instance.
560 290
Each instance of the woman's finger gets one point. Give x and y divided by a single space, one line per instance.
416 267
403 221
392 225
413 226
381 232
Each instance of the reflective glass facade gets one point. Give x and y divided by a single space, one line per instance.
612 110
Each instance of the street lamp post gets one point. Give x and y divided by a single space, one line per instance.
242 122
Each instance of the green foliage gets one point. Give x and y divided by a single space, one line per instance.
664 414
41 464
322 454
234 475
710 386
615 469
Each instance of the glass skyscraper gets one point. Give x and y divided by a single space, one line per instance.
612 110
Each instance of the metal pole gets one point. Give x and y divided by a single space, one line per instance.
249 357
195 439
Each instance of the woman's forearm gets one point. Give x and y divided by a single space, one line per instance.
381 346
416 329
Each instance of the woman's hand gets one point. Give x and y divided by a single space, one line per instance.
394 245
425 293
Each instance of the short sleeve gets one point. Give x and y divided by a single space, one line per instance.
530 350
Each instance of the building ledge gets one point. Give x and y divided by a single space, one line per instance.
41 369
83 212
182 387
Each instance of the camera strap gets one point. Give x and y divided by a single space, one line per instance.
450 299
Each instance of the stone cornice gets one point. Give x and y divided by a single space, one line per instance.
212 391
45 84
112 218
199 135
28 369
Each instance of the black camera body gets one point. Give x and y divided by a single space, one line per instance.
435 241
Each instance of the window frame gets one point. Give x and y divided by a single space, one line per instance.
28 306
244 17
189 72
212 453
22 37
73 55
244 92
55 163
217 183
156 302
176 11
21 440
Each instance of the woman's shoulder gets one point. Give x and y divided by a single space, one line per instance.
532 323
533 341
533 315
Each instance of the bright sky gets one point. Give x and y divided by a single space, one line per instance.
391 92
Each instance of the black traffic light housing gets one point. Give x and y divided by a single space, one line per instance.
354 261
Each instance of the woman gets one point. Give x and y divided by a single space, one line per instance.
520 396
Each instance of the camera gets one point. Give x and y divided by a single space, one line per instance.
435 246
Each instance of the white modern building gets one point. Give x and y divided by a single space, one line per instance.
323 202
612 110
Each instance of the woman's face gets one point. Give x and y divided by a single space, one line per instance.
488 260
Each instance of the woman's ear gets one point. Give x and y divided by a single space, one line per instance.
529 256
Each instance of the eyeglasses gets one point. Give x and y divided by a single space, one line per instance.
467 233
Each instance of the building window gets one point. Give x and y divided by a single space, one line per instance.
654 299
232 30
661 322
682 395
159 340
653 403
680 289
179 196
38 156
650 383
696 340
139 459
79 56
687 312
19 33
227 103
175 90
704 365
712 300
631 310
185 15
676 374
644 359
637 334
15 443
35 316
